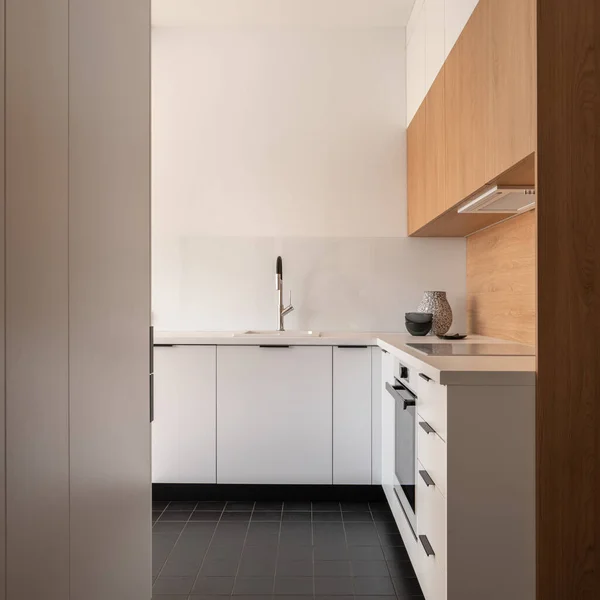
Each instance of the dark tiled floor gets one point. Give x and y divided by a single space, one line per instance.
279 551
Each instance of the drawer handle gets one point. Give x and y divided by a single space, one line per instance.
427 427
426 545
427 478
423 376
276 346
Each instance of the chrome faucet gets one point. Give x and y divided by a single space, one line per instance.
281 310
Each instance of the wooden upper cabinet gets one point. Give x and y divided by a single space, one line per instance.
416 170
512 92
467 83
435 148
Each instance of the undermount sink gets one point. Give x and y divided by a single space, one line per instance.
273 333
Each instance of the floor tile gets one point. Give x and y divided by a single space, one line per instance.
253 586
401 569
219 586
175 515
294 552
382 516
296 516
219 567
365 553
299 534
206 515
295 586
173 585
406 587
332 552
291 506
370 568
211 505
373 586
355 506
335 598
332 568
168 527
224 552
395 553
268 505
257 566
237 506
325 506
266 515
170 597
333 586
295 568
327 517
328 533
235 516
361 534
176 505
358 517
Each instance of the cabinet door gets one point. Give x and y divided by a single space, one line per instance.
388 419
274 409
435 148
512 91
468 78
352 415
184 427
416 165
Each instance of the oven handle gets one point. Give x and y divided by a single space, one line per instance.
406 402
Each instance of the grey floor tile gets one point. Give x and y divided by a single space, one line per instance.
253 586
370 568
257 566
373 586
407 587
237 506
332 568
296 552
268 505
297 516
355 506
205 515
175 515
396 553
333 586
325 506
176 505
217 586
173 585
219 567
266 516
327 517
236 516
210 505
295 586
362 534
295 568
168 527
357 517
288 506
337 551
365 553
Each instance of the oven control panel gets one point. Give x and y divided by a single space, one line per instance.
406 375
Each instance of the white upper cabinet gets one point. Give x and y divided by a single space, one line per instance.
458 13
274 415
431 32
435 35
352 415
415 67
185 403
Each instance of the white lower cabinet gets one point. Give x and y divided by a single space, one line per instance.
184 427
274 415
352 415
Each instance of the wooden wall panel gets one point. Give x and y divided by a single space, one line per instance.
416 165
501 280
568 379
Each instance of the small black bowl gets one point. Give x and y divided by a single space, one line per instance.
418 329
418 317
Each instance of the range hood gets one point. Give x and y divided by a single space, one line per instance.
501 199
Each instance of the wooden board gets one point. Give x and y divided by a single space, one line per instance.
416 166
501 280
568 378
511 94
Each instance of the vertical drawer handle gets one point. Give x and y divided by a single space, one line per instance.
426 545
427 427
423 376
427 478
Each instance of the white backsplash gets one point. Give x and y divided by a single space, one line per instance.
356 284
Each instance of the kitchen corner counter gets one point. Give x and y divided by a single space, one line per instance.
447 370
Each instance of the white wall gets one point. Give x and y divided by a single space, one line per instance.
431 32
286 141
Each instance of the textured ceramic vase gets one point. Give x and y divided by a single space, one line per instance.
436 303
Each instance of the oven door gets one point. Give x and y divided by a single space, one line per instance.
406 459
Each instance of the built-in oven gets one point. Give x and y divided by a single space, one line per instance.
405 468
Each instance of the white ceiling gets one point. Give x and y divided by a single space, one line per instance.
281 13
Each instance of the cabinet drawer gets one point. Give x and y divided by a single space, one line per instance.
432 454
432 404
432 533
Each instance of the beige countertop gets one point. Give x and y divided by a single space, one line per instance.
447 370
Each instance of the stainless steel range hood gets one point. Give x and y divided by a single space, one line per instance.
501 199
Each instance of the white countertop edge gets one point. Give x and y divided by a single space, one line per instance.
447 370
